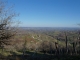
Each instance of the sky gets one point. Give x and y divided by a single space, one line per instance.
47 13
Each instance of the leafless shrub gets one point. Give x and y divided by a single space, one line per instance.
7 24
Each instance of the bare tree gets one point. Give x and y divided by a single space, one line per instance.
66 42
7 23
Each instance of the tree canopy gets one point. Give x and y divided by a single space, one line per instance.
7 23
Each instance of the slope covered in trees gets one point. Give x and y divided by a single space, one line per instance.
44 42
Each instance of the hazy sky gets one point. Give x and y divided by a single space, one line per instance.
47 13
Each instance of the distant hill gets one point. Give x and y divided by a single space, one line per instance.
50 28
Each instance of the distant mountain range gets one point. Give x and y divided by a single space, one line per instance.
50 28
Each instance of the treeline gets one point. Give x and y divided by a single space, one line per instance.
49 47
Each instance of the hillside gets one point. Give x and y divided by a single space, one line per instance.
43 41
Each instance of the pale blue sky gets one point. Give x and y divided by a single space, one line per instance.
47 13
